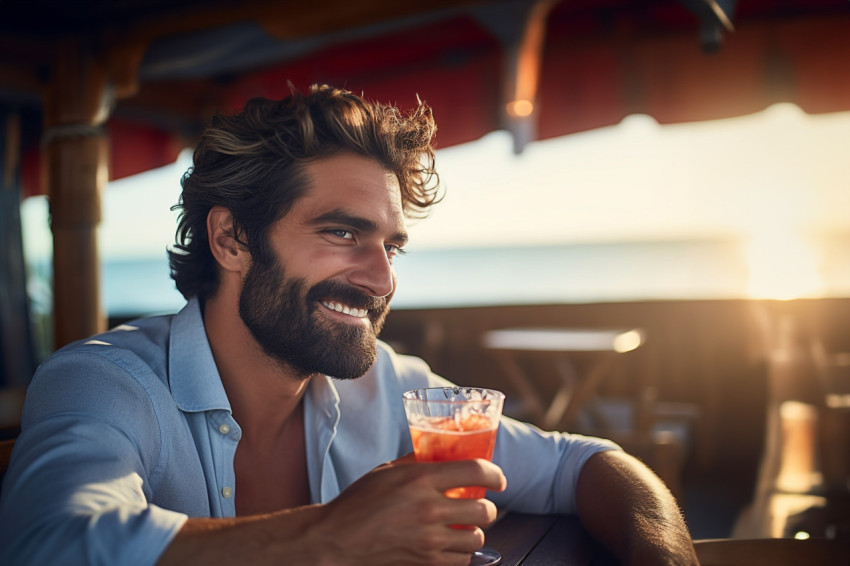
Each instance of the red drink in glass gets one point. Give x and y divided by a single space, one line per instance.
443 439
456 423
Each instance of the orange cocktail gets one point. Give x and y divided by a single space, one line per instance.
441 439
456 423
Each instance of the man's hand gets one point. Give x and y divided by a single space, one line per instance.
396 515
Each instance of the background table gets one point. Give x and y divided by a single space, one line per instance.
578 361
576 390
546 540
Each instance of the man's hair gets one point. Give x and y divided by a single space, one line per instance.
252 164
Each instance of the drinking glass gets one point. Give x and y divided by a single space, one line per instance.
456 423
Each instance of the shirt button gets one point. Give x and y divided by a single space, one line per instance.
224 428
227 492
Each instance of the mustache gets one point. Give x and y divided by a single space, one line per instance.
346 294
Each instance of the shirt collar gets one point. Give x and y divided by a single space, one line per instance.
193 376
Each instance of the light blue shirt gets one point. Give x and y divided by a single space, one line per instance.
127 434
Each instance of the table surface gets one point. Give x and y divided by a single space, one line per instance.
546 540
617 340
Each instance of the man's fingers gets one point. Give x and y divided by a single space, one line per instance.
425 526
481 512
466 473
466 540
447 475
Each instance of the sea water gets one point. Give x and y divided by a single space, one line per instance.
568 273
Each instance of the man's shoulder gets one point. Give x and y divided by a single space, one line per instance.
138 345
117 376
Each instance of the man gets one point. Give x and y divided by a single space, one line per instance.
217 435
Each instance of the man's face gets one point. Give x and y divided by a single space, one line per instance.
319 305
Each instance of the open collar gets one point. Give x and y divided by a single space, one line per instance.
193 376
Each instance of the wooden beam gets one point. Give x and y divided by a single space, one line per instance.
521 28
125 45
77 104
306 19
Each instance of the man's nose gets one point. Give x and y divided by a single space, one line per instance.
373 272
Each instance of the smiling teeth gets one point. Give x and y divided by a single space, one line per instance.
359 313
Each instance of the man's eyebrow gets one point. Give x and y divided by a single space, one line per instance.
359 223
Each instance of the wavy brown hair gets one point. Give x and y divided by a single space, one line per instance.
252 164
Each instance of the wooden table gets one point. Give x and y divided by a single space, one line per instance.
575 391
560 540
546 540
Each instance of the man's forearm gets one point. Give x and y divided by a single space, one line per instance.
260 539
630 510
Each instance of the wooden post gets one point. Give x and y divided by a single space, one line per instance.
77 104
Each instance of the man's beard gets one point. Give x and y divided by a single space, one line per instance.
283 319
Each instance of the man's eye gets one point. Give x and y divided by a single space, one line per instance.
344 234
394 250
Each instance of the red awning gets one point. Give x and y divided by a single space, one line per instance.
601 61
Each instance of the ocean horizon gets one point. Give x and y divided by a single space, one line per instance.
546 274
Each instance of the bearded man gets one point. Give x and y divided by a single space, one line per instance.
263 423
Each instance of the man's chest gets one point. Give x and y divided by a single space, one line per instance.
272 478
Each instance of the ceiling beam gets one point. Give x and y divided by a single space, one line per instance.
520 26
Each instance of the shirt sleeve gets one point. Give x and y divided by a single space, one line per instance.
82 471
542 468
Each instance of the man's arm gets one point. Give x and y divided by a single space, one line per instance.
630 510
395 515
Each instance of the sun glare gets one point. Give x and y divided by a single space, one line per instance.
783 265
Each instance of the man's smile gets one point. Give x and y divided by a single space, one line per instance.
345 309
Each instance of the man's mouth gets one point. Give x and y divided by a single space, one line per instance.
345 309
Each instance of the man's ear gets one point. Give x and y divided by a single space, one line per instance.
229 253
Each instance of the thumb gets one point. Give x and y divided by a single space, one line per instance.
408 458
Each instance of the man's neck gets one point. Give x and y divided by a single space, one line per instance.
263 392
